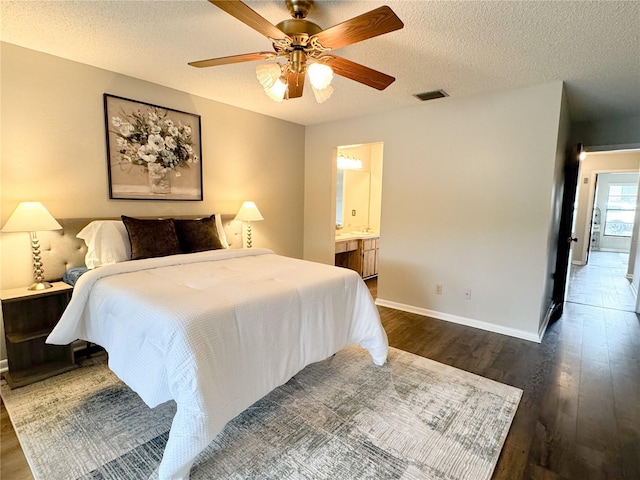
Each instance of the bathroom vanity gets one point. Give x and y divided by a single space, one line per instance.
358 251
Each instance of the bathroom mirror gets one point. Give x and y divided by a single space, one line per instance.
352 198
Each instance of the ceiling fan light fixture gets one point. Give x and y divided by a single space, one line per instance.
277 91
322 94
302 45
268 74
320 75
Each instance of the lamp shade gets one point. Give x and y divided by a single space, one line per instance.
31 217
320 75
249 213
322 95
268 74
277 91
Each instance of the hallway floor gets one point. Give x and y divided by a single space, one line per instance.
602 283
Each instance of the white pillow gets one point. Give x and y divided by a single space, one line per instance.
107 243
221 235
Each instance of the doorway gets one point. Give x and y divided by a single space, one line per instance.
602 266
359 208
359 187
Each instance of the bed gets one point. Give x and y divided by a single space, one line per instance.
216 330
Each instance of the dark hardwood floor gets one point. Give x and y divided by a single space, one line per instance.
579 417
13 465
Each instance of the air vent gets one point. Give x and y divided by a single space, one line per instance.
431 95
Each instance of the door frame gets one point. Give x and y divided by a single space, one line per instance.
561 284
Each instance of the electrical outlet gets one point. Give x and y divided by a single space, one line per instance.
438 289
467 294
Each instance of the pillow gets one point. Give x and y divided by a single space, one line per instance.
72 275
107 243
151 238
197 235
221 234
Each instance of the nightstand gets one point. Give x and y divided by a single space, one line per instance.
29 316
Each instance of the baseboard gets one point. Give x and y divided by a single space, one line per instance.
469 322
4 366
578 263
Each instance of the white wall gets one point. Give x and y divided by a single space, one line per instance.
54 151
468 195
594 163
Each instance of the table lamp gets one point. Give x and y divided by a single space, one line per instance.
31 217
249 213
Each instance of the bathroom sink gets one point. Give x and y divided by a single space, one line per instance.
356 234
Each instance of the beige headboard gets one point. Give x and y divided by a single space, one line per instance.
61 249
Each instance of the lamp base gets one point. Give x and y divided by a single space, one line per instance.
249 242
40 286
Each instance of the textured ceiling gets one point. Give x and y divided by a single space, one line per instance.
465 48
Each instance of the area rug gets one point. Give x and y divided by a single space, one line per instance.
342 418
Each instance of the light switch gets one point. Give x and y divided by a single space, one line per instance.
353 213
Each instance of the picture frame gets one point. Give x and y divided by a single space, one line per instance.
153 152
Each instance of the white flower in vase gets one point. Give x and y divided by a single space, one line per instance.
156 142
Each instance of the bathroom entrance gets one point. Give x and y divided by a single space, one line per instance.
358 207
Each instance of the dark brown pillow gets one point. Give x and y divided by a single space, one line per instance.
197 235
151 238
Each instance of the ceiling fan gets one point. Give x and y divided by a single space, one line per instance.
305 48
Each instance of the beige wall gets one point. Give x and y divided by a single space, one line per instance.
468 202
377 169
54 151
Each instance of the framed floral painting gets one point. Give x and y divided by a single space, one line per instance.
153 153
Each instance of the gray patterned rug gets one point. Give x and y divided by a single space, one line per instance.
343 418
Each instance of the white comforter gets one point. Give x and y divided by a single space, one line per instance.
216 331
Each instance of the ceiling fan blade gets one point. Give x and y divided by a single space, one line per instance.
246 57
359 73
249 17
295 84
368 25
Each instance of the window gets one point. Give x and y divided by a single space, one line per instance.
621 210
